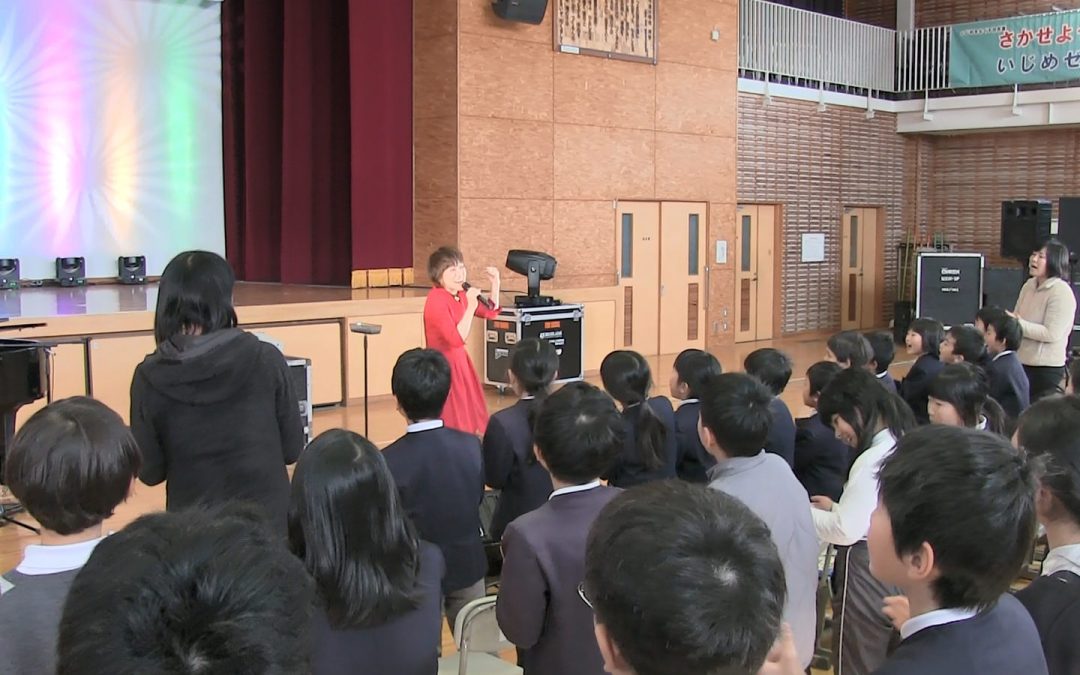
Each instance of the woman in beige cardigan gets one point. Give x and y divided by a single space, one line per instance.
1046 310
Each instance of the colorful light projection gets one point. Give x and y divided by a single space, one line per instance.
110 131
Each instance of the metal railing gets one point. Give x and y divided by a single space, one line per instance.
922 59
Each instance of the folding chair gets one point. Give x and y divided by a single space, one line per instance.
478 640
823 652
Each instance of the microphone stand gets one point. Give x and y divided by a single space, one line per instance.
366 329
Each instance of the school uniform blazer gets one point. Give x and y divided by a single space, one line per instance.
886 379
916 386
821 459
539 609
999 641
692 461
1009 383
440 477
781 440
628 470
511 467
1054 604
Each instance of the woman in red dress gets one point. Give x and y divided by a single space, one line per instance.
448 318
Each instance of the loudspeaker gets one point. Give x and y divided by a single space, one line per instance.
71 271
131 269
525 11
9 274
1025 226
1001 286
1069 226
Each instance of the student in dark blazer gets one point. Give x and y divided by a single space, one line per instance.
439 475
923 342
821 459
692 369
849 349
1009 384
884 349
772 368
1050 433
578 432
649 451
379 589
509 463
954 522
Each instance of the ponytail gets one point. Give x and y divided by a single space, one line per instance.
535 363
626 376
651 435
996 419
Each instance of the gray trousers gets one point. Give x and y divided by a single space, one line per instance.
455 601
862 635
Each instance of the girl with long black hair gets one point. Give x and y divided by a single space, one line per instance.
650 449
960 397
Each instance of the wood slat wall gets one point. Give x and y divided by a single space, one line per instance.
813 164
940 12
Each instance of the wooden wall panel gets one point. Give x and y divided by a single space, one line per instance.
941 12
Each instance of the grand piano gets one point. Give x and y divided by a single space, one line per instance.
24 378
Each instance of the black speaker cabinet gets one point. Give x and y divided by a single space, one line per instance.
525 11
1025 226
9 274
1069 225
71 271
131 269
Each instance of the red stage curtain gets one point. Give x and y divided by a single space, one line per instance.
318 154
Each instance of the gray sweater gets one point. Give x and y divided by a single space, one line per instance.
30 611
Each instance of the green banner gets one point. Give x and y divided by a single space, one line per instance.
1020 50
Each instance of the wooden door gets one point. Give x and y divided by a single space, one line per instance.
683 276
859 269
637 242
755 265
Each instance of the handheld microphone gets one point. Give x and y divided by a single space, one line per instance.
486 302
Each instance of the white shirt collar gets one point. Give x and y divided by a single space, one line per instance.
575 488
981 424
998 356
883 437
38 559
527 397
426 425
937 617
881 375
690 400
1062 559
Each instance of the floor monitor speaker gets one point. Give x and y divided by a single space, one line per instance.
525 11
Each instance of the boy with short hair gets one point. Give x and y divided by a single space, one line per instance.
884 348
439 474
963 343
772 368
1009 384
71 464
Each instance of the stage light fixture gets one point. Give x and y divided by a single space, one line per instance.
71 271
9 274
131 269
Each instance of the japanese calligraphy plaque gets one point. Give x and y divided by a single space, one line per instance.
624 29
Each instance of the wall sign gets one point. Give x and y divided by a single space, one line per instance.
622 29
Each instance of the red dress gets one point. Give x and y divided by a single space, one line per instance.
466 408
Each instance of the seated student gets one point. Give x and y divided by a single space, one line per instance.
71 464
683 580
881 342
1008 382
1049 432
982 317
923 342
693 367
821 459
509 463
439 473
735 421
963 343
650 449
378 587
202 590
868 419
772 368
960 397
849 349
578 433
952 528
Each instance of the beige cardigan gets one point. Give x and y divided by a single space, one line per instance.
1046 314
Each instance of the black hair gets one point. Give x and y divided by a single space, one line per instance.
196 591
852 348
965 387
195 293
735 408
71 464
985 312
342 494
1049 431
695 367
931 332
1057 259
969 495
579 433
1006 328
420 383
858 398
969 343
535 363
721 601
626 376
821 374
883 347
441 260
771 367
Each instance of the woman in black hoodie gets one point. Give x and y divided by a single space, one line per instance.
212 408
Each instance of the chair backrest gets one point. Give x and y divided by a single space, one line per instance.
477 629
